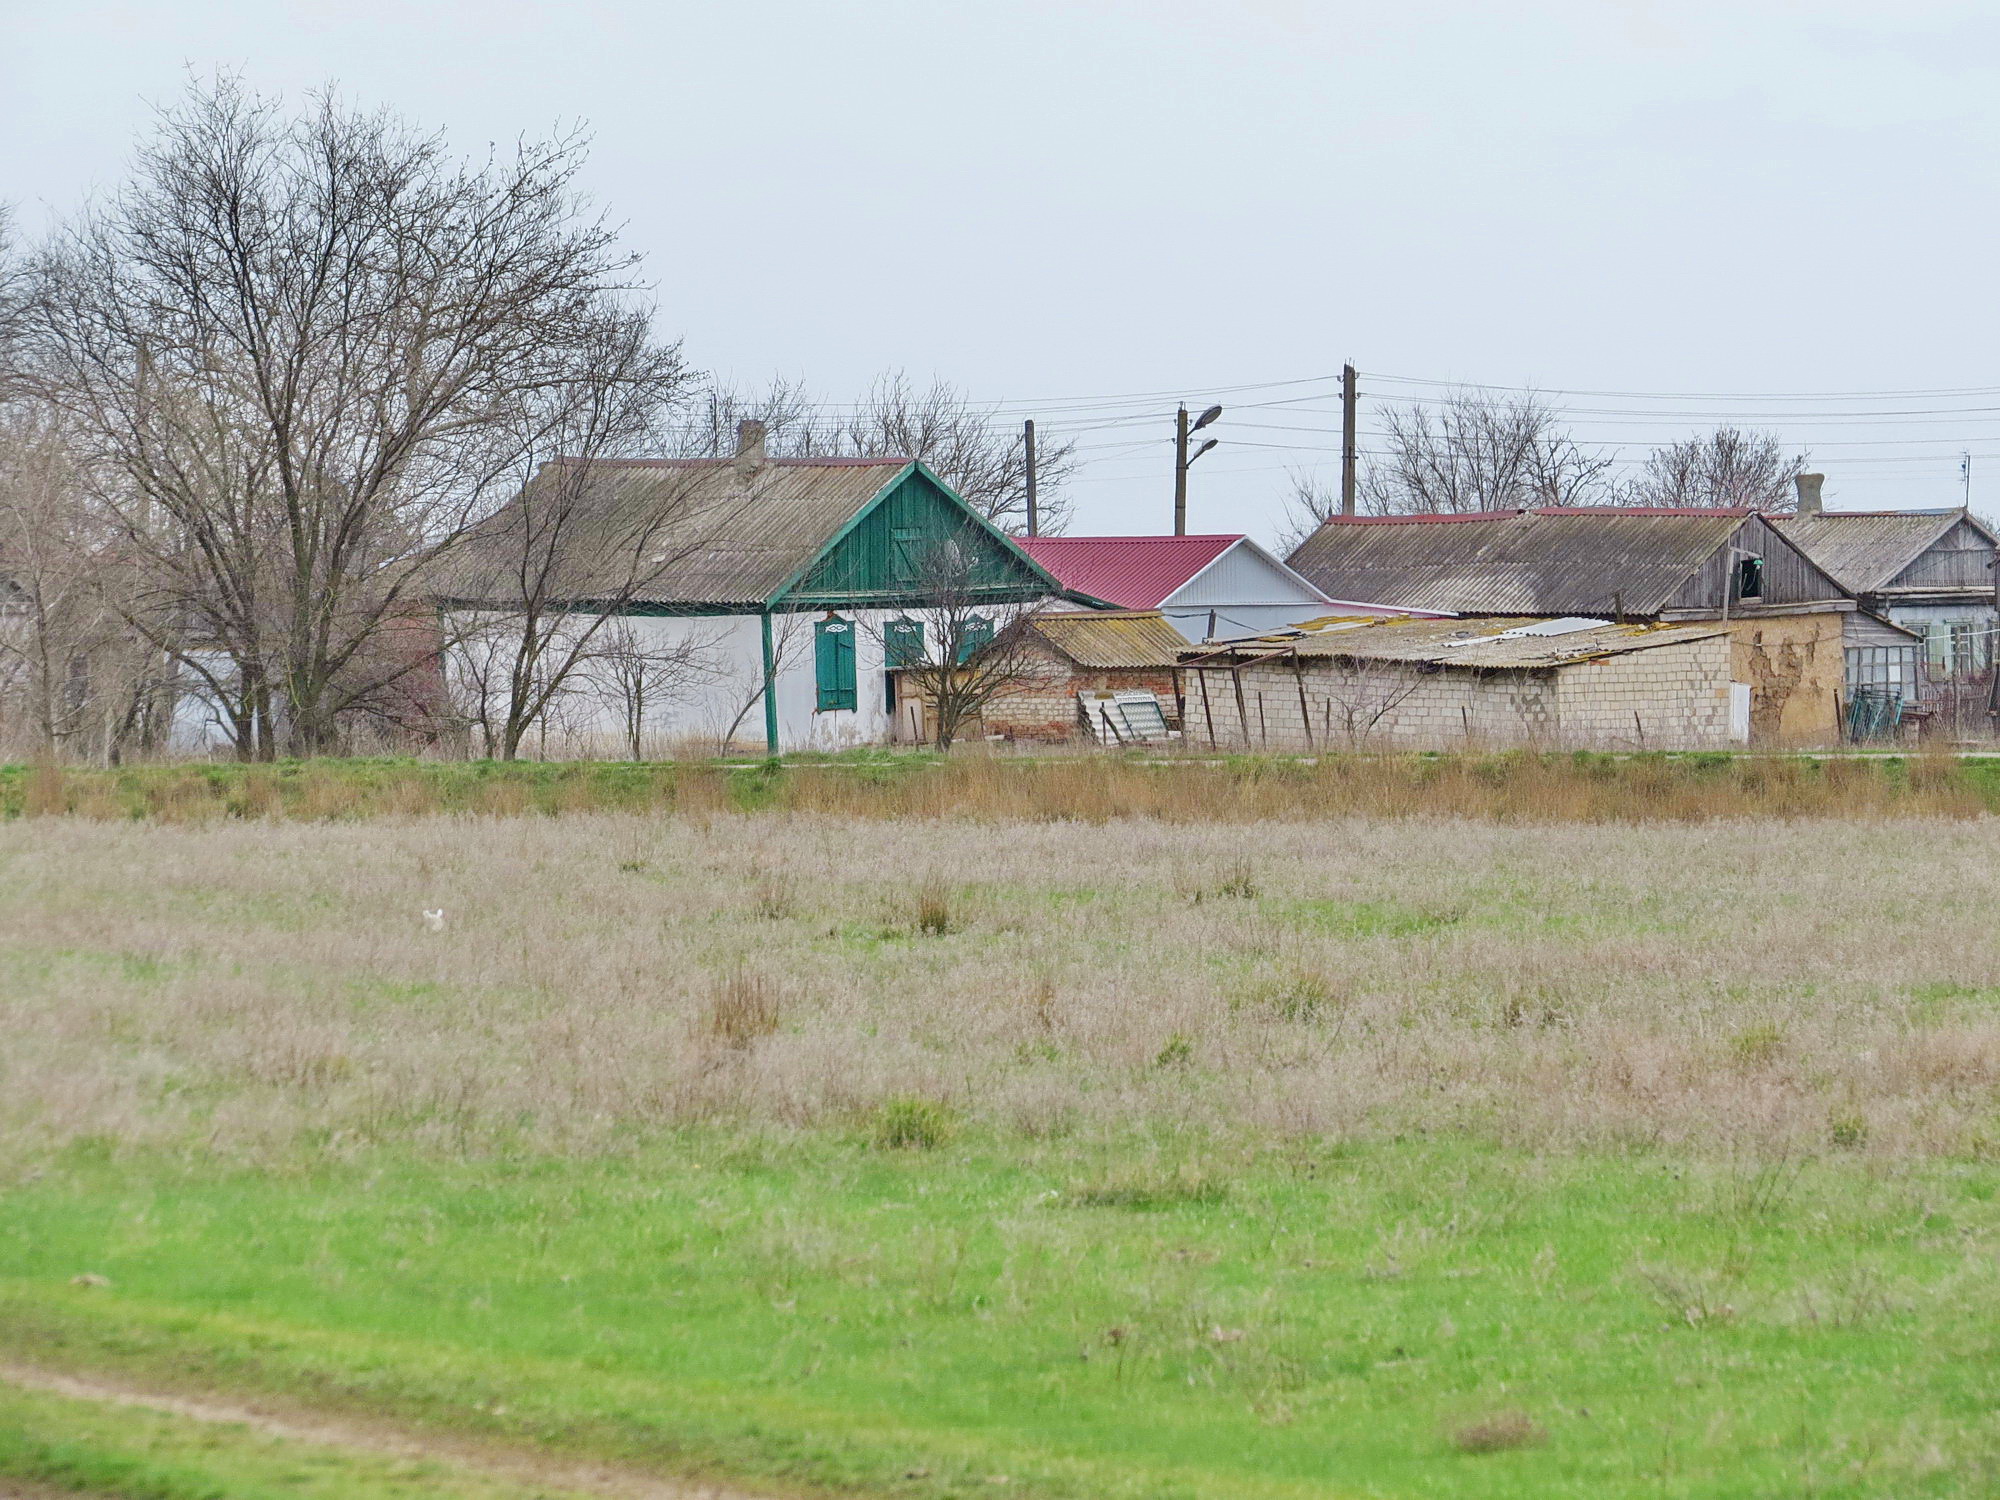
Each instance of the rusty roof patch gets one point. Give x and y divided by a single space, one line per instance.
1484 644
1112 638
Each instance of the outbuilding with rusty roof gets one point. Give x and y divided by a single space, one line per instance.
1486 683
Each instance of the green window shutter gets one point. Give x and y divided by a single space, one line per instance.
833 663
903 644
978 635
905 546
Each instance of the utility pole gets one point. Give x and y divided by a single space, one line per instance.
1349 403
1965 473
1028 444
1182 458
1180 471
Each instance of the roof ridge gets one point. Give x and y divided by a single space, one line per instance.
863 462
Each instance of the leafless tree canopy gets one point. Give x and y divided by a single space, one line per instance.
1725 467
303 353
978 453
1310 503
1476 451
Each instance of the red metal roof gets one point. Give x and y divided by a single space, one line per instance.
1132 572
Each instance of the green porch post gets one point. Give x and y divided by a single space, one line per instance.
770 690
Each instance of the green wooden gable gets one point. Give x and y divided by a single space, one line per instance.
880 558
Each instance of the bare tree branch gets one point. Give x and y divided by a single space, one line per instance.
308 352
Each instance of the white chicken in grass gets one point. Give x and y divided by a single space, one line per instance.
434 920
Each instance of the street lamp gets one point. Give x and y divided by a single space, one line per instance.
1182 458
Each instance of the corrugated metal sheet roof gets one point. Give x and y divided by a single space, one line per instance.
1540 562
1109 638
1484 643
709 532
1132 572
1863 550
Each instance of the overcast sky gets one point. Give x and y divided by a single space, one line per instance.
1083 210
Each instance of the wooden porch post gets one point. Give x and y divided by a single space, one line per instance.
770 688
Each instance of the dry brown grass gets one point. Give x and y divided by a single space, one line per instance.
998 788
1770 987
1499 1433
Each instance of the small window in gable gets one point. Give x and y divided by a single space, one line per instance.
833 663
1749 577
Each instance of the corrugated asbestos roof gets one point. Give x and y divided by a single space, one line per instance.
1457 643
1863 550
1540 562
1109 638
1132 572
715 533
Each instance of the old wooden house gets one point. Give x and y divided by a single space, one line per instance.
1930 571
1791 623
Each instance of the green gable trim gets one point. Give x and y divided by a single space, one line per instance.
868 561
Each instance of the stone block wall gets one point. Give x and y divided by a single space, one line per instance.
1668 697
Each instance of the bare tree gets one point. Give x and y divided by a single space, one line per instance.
968 651
1309 504
1726 467
1359 693
972 448
308 352
67 660
1478 451
790 634
639 677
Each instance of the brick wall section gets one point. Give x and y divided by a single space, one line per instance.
1043 707
1680 694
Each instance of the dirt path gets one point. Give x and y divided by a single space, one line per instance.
492 1459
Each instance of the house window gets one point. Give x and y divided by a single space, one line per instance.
833 663
903 644
1749 577
978 635
1939 647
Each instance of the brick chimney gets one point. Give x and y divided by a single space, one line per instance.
749 447
1808 488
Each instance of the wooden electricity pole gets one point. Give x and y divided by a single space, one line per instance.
1349 401
1180 471
1028 442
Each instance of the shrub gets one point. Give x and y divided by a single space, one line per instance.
743 1007
933 910
910 1123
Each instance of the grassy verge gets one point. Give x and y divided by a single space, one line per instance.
66 1446
1515 786
1125 1318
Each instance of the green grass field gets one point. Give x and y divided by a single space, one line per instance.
1341 1158
1137 1319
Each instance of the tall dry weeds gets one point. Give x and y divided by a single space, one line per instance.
1511 788
1766 988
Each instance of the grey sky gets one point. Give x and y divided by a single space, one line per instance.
1050 202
